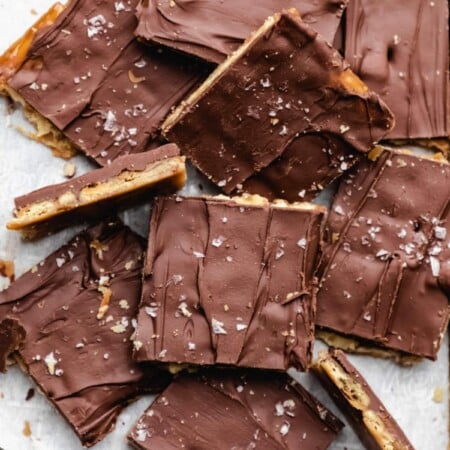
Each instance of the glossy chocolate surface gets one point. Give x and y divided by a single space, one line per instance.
228 283
288 84
229 410
400 49
89 77
386 268
213 29
77 352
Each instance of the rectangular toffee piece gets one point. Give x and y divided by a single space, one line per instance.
87 84
405 60
125 181
213 29
386 266
284 109
68 322
376 428
230 282
227 410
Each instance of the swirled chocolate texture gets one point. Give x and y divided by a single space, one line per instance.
231 282
71 318
405 60
229 410
90 78
386 269
282 85
128 180
370 419
213 29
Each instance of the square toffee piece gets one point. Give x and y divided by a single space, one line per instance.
235 410
386 266
400 49
214 29
87 84
230 282
282 117
69 322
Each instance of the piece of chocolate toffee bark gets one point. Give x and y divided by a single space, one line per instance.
214 29
87 84
284 102
386 267
126 181
405 60
376 428
71 319
230 281
229 410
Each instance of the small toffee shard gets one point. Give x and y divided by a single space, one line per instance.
376 428
229 410
230 282
267 112
386 268
125 181
76 310
405 60
87 84
213 29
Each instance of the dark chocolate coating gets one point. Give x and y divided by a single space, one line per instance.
12 335
354 414
81 364
400 49
386 277
133 162
291 176
213 29
227 410
89 77
290 83
229 284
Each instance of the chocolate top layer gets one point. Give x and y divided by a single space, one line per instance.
134 162
76 309
400 49
213 29
357 400
228 282
259 101
386 268
89 77
226 410
311 162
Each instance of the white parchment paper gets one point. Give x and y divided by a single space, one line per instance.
25 166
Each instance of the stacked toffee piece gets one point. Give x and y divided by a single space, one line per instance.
230 290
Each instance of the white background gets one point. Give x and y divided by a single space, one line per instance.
24 166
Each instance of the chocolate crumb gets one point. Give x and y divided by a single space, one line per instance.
30 394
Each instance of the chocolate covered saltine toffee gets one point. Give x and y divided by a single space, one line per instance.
87 84
386 267
70 320
229 410
405 61
230 282
370 419
126 181
285 103
213 29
